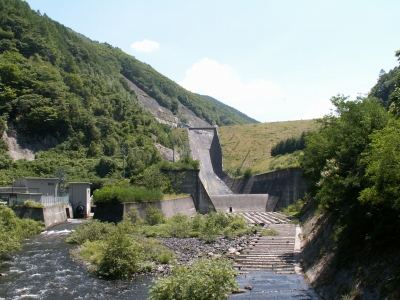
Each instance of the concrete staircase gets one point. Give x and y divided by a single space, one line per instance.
271 252
269 267
265 218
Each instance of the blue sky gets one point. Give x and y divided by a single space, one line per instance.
273 60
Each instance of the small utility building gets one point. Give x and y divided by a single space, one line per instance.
79 194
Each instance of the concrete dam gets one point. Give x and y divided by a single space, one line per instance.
261 193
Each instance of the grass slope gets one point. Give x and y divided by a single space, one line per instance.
256 141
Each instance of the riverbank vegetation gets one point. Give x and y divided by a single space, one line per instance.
205 227
205 279
351 166
117 251
14 230
131 246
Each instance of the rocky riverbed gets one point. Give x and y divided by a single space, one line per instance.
189 249
186 251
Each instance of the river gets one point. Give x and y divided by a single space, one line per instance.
42 269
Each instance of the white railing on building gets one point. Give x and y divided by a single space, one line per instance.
45 200
51 201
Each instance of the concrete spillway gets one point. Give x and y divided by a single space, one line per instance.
200 144
205 147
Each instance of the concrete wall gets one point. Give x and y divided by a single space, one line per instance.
240 203
188 182
49 215
283 186
171 207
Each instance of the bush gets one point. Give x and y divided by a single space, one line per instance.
293 209
32 204
133 216
179 226
91 231
206 279
118 251
247 173
13 230
118 194
154 216
122 257
197 222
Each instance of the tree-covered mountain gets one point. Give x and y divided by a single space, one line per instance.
235 111
55 82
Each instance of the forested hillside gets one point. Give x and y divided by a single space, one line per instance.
58 83
351 165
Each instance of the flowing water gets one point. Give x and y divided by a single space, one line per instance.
42 269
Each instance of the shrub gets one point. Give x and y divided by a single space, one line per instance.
122 257
293 209
247 173
154 216
118 194
197 222
32 204
206 279
13 230
179 226
90 231
133 216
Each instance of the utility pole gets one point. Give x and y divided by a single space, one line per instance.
123 147
173 152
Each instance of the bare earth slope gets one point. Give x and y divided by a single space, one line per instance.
162 114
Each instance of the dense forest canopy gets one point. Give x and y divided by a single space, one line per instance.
56 82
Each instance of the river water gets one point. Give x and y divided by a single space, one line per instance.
42 269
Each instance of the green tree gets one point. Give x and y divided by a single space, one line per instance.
331 161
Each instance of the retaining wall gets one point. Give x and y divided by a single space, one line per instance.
171 207
51 216
188 182
283 186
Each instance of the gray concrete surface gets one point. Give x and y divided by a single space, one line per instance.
200 144
240 203
188 182
51 216
171 207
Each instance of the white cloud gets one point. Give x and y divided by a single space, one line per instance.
145 46
221 82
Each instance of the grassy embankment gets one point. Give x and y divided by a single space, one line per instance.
256 140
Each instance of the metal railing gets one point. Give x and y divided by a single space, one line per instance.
51 201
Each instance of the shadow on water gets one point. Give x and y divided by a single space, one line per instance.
42 269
